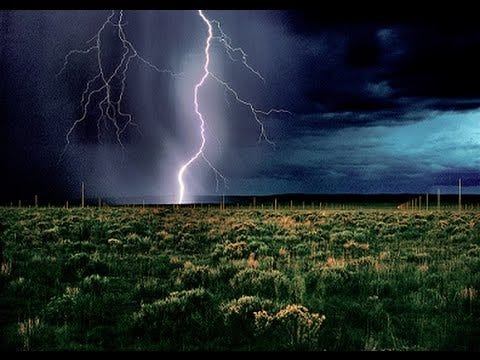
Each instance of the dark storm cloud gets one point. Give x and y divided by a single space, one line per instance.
453 104
390 68
438 64
379 103
469 176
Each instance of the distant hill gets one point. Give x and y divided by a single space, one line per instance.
377 200
300 199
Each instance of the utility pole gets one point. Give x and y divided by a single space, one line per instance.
427 201
36 200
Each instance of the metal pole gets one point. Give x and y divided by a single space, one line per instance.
83 194
459 194
438 199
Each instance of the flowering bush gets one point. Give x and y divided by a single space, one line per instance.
240 319
291 328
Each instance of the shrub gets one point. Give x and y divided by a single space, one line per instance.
240 319
99 301
291 328
149 289
236 250
50 234
81 264
265 283
95 284
60 309
342 236
197 276
258 247
185 320
30 333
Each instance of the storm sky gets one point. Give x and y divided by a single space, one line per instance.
378 106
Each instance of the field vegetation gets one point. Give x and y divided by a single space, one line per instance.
239 279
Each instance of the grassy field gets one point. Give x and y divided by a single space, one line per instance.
204 279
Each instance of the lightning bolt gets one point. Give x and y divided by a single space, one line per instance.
103 88
225 41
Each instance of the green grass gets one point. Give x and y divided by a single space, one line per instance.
205 279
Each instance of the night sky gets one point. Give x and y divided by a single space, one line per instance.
378 105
